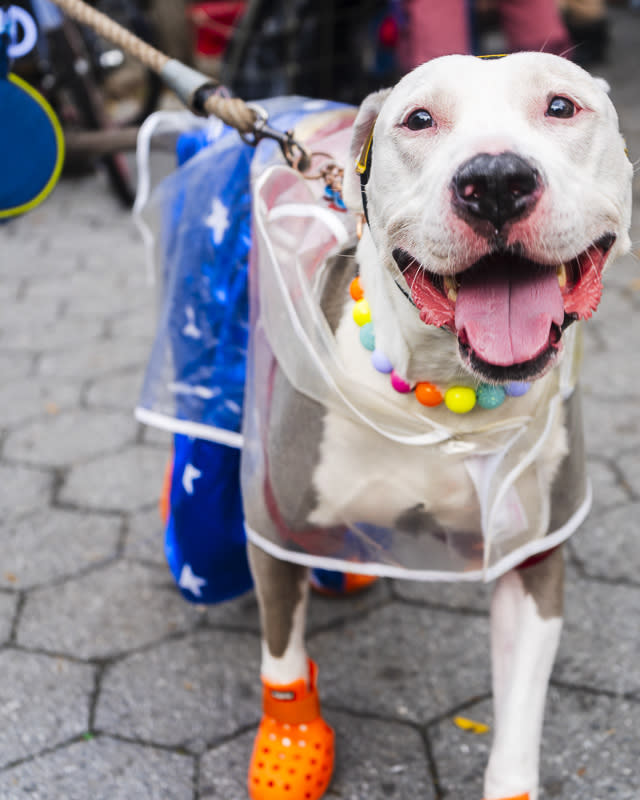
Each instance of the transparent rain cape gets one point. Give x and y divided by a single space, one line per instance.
195 381
518 510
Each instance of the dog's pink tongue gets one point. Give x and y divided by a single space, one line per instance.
507 314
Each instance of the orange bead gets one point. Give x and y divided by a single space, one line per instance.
355 289
428 394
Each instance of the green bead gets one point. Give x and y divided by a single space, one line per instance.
367 336
490 396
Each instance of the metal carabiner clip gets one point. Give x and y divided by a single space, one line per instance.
294 153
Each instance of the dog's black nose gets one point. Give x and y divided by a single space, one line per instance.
495 188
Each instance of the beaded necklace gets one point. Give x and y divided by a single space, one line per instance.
459 399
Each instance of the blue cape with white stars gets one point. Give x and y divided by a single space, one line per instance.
195 378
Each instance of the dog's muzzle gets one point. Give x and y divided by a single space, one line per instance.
491 190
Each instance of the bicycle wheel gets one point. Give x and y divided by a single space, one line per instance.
80 103
131 91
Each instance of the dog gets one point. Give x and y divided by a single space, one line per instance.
495 193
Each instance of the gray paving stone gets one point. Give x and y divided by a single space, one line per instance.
324 611
157 437
187 692
125 481
104 613
588 749
101 769
101 291
608 547
8 606
15 365
33 334
22 258
70 437
20 321
93 359
22 489
93 295
461 756
116 391
138 324
600 647
145 537
470 596
607 374
80 540
629 463
25 399
404 662
609 426
374 760
43 701
609 488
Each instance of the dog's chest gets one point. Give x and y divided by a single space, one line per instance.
365 476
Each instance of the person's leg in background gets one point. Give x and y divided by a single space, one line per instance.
589 28
534 25
435 28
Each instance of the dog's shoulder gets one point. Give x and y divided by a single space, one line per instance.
296 421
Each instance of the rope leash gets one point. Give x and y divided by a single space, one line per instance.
199 93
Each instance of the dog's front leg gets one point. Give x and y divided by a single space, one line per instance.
526 620
293 750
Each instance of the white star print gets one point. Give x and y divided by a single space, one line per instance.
191 329
188 476
218 220
191 582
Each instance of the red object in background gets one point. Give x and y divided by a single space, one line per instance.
389 32
213 24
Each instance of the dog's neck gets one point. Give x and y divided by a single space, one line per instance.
417 351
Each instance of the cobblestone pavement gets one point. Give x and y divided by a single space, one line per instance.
113 687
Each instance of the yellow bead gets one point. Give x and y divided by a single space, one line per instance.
460 399
361 313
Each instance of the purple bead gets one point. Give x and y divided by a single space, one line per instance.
381 362
399 384
517 388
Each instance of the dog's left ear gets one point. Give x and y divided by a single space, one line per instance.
603 84
360 140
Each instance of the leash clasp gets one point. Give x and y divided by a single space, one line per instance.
295 154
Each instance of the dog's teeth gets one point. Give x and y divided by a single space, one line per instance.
561 272
451 285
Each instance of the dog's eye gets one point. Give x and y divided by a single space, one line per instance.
419 120
561 107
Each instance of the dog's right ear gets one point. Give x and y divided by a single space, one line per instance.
360 141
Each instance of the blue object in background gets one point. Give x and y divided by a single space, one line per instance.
31 139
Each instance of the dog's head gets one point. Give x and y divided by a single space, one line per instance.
496 193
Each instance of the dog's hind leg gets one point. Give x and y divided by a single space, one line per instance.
293 750
526 621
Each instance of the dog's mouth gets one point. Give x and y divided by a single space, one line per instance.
507 311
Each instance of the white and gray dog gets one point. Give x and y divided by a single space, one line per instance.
496 193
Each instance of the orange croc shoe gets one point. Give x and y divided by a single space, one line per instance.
293 751
524 796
